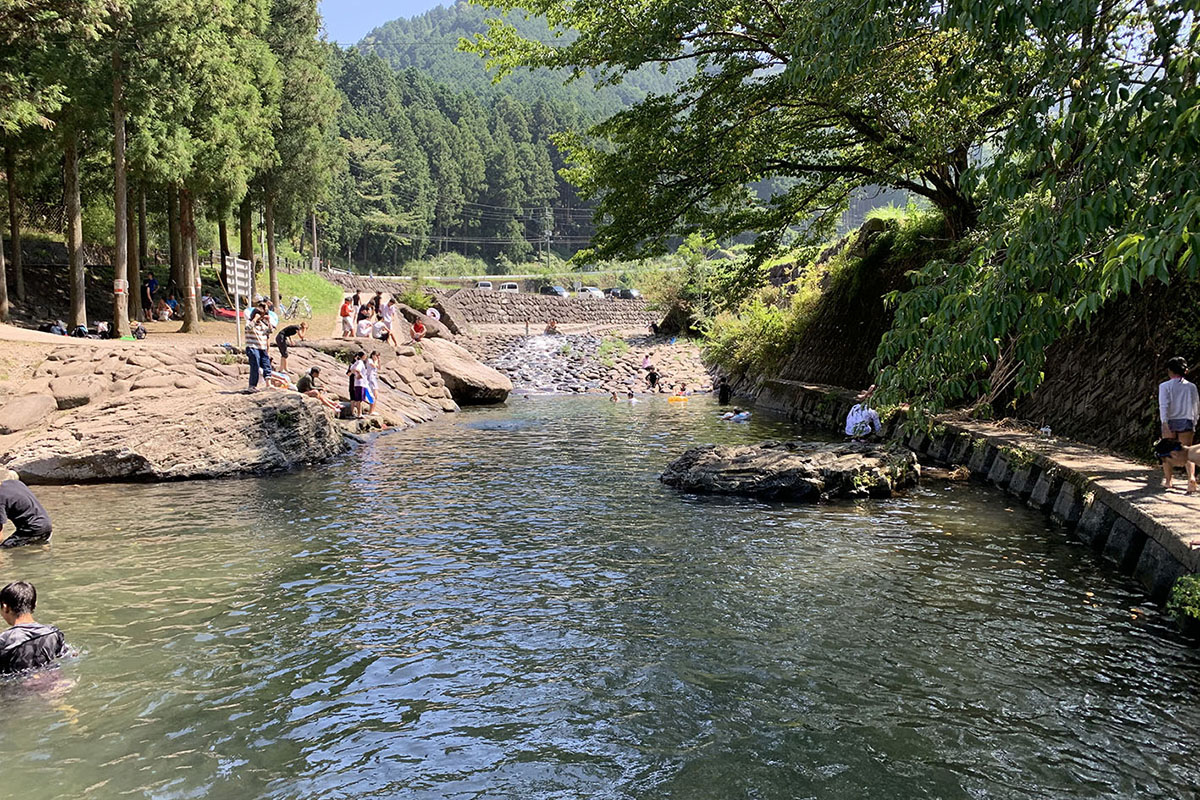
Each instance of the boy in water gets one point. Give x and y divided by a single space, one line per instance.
27 644
19 506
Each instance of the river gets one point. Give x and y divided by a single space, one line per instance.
506 604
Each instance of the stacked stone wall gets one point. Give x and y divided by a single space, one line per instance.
489 308
1101 384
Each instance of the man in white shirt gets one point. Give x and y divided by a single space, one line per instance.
1178 409
862 422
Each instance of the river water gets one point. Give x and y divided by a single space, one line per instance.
507 604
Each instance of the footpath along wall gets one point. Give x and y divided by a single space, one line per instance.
1109 503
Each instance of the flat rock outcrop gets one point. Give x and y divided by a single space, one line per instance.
469 382
115 412
803 471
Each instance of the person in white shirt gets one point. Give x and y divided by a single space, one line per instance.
1178 410
863 422
365 328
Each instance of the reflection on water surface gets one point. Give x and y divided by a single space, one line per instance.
508 604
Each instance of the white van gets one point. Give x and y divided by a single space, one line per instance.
511 288
483 286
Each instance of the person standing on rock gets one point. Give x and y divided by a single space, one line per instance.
258 332
371 382
347 315
356 373
652 379
1178 410
284 338
22 509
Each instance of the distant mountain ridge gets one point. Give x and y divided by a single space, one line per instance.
428 42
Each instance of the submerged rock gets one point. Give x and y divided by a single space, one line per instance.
805 471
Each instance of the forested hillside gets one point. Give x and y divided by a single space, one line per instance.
429 169
428 43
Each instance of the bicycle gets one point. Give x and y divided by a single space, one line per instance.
299 307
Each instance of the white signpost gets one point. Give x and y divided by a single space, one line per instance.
241 276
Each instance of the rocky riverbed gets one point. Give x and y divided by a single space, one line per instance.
590 362
113 411
803 471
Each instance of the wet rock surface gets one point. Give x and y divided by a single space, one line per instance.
590 362
134 412
800 471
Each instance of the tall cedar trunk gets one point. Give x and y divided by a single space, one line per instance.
120 257
246 231
14 221
3 284
173 235
142 256
133 266
77 276
191 268
223 236
269 222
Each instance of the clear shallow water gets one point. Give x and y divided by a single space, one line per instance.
509 605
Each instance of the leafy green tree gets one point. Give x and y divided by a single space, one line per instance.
1089 194
828 97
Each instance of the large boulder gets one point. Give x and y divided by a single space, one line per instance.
25 412
164 436
469 381
804 471
433 328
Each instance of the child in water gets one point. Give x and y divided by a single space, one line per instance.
27 645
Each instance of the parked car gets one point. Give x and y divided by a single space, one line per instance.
511 288
483 286
624 294
557 291
591 291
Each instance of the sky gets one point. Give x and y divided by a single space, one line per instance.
347 21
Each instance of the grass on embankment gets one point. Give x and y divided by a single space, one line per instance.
323 296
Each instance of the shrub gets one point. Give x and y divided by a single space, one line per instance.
1184 603
416 298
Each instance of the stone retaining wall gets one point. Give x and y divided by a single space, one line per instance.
1046 476
489 308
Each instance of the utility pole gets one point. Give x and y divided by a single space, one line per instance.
549 228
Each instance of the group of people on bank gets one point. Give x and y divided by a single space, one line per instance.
379 319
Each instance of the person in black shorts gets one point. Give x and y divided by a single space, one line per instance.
18 505
284 338
27 645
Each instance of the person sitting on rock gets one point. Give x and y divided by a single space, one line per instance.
310 385
19 506
27 645
284 338
652 379
862 423
383 332
209 304
418 331
162 311
365 325
551 327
